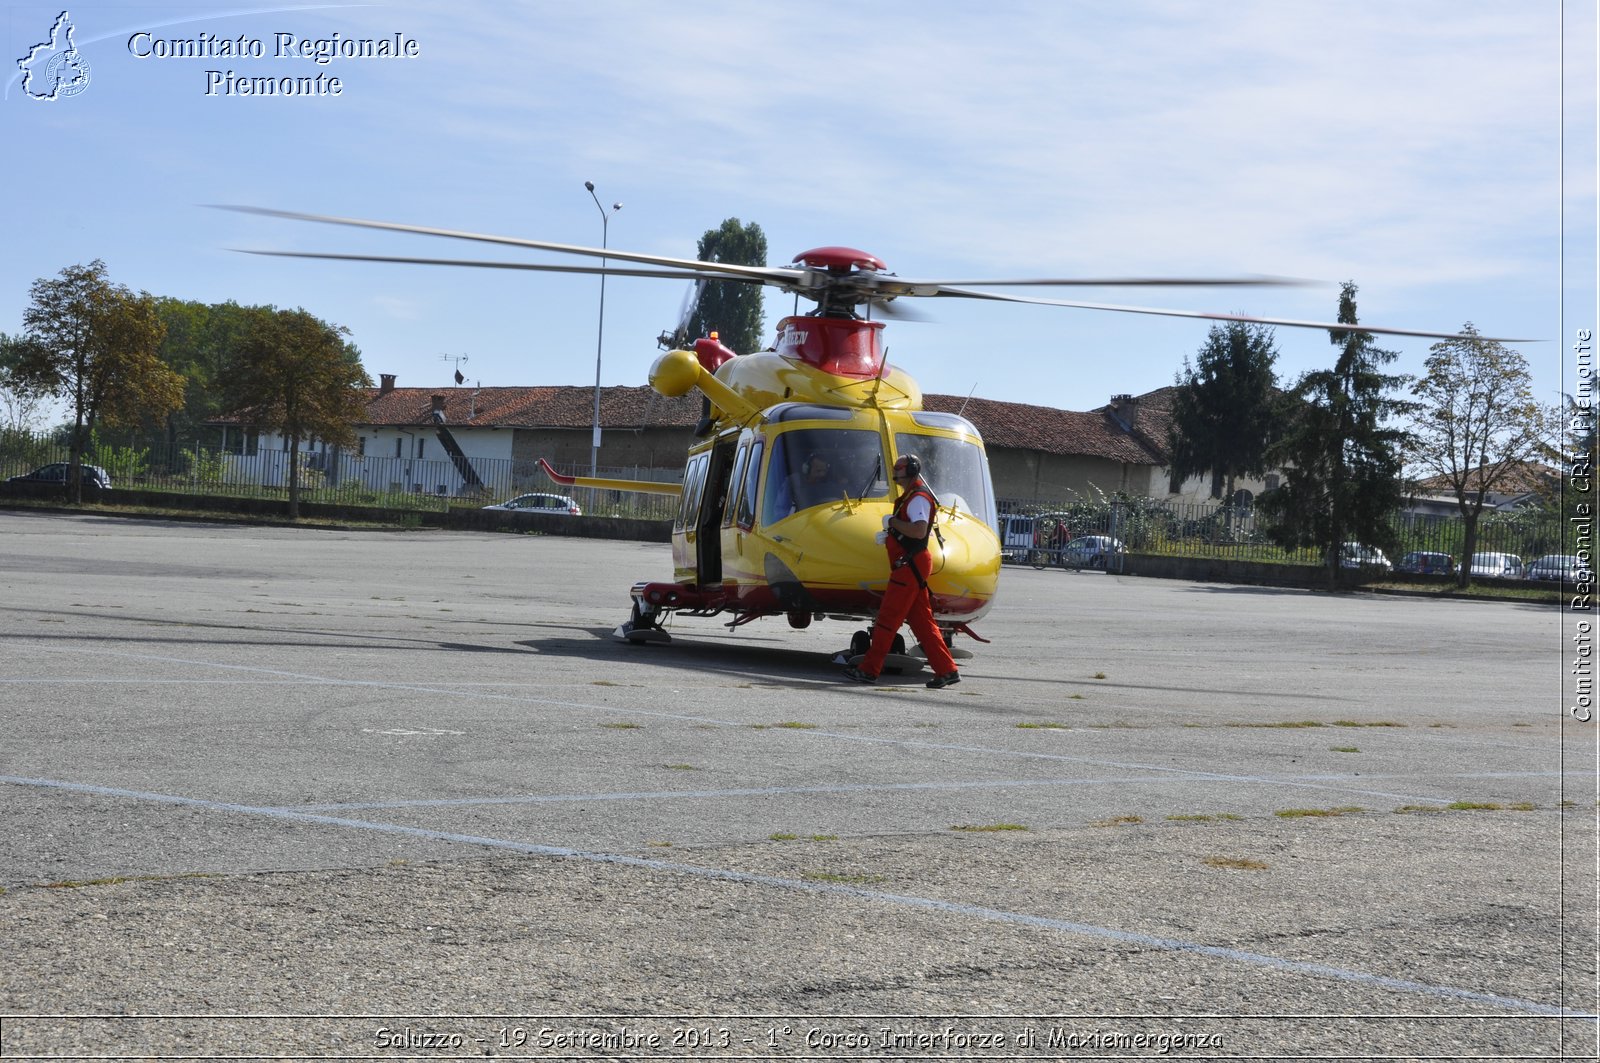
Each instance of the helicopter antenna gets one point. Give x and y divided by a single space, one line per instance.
968 399
883 367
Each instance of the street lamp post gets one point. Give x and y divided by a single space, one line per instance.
600 338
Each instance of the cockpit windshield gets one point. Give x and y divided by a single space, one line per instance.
816 466
954 470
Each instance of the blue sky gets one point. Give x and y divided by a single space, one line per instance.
1414 148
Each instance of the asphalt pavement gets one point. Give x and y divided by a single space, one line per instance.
321 793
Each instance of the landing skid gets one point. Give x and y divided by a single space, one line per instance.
645 634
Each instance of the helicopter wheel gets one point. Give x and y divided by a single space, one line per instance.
860 643
642 627
898 646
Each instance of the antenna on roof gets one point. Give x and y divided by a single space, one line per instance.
459 360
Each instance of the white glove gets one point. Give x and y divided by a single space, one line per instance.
886 521
881 538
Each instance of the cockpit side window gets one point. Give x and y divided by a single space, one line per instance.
752 482
818 466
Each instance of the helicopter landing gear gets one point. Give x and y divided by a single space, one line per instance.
643 626
897 663
960 653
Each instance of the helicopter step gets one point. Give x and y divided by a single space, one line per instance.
653 602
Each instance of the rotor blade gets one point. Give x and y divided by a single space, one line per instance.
1126 282
610 271
892 308
1210 316
718 270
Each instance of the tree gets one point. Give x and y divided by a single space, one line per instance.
20 396
731 309
296 375
1340 451
1477 424
199 344
94 344
1223 413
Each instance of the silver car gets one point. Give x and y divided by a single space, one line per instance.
540 503
1559 568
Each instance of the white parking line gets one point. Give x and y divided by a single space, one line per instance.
1298 967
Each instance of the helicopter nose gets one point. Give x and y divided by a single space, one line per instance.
786 586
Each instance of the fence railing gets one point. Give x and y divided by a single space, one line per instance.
346 479
1029 528
1240 533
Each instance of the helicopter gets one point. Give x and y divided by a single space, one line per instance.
786 491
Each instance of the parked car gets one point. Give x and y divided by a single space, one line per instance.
1355 555
1016 537
94 477
1090 551
540 503
1496 566
1558 568
1426 563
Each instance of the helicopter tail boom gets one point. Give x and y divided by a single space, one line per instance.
647 487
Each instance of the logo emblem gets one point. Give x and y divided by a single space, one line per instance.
55 68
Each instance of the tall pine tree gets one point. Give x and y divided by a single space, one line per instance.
1340 450
1223 413
730 309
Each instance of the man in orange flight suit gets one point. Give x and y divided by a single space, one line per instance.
907 599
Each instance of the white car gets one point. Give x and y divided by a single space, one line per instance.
1496 566
1016 537
1355 555
540 503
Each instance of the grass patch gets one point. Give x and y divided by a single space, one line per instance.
844 880
624 726
1408 809
1282 724
659 845
782 837
1099 675
680 767
603 683
987 827
796 725
1119 725
1343 749
1474 806
117 880
1358 723
1317 813
1044 727
1119 821
1237 863
1197 817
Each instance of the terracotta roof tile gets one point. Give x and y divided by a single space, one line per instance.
542 407
1096 433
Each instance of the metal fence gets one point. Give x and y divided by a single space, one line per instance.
1040 533
341 478
1031 530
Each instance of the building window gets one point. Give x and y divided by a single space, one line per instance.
1272 481
420 444
399 446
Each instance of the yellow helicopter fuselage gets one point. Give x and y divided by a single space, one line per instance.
785 496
